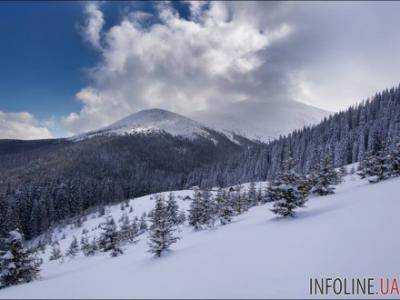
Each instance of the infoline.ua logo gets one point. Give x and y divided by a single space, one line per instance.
383 286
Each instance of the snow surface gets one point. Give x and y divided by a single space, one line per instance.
260 120
351 233
153 120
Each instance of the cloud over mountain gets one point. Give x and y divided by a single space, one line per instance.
173 62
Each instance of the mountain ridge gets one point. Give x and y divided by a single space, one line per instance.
261 120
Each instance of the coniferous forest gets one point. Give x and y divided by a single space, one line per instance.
45 182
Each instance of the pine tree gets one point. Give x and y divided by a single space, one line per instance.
196 211
172 209
202 212
181 217
128 230
142 224
252 194
162 230
260 196
89 248
326 177
56 253
394 160
109 239
209 209
376 165
73 248
284 191
18 265
342 173
238 200
224 207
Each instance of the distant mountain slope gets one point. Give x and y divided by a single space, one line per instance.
147 152
152 121
261 120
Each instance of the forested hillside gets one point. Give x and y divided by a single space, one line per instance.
42 183
347 136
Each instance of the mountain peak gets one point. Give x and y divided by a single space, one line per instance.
152 121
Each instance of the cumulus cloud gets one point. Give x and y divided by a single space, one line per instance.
326 54
94 24
176 63
22 125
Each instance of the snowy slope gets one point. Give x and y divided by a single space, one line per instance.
351 233
155 121
261 120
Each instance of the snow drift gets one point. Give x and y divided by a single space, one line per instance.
349 234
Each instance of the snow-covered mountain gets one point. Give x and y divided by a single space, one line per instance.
349 234
261 120
157 121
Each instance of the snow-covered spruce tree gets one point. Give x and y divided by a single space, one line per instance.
326 177
394 160
172 209
143 224
17 264
252 194
162 230
239 200
209 209
89 248
284 190
202 212
56 253
73 248
196 211
109 238
375 166
225 211
181 217
128 230
342 173
260 195
306 183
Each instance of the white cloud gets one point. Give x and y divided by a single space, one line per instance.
94 24
22 125
176 63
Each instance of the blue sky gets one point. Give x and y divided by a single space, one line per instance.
185 56
43 57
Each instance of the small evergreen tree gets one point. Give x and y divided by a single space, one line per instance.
284 190
375 166
209 209
73 248
260 195
252 194
109 239
142 224
196 211
18 265
181 217
325 179
393 160
172 209
162 230
56 253
342 173
89 248
128 230
224 207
